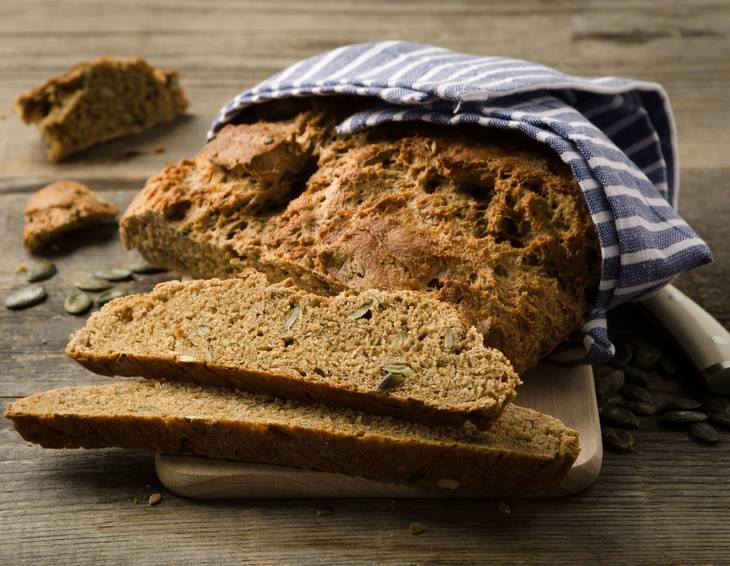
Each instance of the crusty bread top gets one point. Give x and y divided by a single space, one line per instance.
486 220
281 340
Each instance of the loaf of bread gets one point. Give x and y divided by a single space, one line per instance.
523 452
100 100
486 220
396 353
62 207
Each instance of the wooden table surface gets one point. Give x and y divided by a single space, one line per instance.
665 503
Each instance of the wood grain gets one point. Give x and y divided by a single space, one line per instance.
665 503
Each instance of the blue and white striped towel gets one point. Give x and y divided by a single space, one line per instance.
617 136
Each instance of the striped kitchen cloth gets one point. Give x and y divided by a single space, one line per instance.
617 135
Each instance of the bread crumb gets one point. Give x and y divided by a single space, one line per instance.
159 148
135 500
417 528
154 499
325 511
504 507
22 268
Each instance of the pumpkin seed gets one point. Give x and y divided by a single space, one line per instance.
637 376
641 408
367 307
704 432
504 507
681 404
400 369
93 284
449 340
617 439
715 404
116 274
636 393
24 297
646 356
610 400
202 330
677 417
448 483
622 357
618 417
186 359
601 369
294 316
390 380
610 383
723 419
110 295
41 270
667 367
141 266
268 140
325 511
77 302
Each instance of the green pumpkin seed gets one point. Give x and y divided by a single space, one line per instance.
667 367
93 284
24 297
110 295
116 274
77 302
142 267
637 376
41 270
678 417
294 316
641 408
704 432
722 419
636 393
365 308
681 404
622 357
617 439
646 356
390 381
399 369
610 400
610 383
618 417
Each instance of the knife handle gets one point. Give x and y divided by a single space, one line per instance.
704 339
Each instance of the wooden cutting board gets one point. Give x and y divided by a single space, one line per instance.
566 393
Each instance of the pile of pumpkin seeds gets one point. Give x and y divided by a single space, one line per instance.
90 289
626 387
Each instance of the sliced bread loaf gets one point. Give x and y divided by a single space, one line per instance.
523 452
394 353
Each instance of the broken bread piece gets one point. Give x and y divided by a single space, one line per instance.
100 100
524 452
62 207
398 353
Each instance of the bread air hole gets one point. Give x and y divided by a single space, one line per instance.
178 210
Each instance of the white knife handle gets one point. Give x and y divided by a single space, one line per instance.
703 338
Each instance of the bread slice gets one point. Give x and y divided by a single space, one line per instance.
100 100
62 207
523 452
394 353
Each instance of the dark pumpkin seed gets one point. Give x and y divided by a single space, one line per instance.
41 270
715 404
610 400
678 417
116 274
667 367
601 369
704 432
645 356
24 297
618 417
617 439
390 381
610 383
636 393
722 419
93 284
142 267
623 355
110 295
77 302
637 376
641 408
681 404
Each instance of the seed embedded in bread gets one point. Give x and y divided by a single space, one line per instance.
277 339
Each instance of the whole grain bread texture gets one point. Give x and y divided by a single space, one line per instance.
486 220
523 452
62 207
99 100
398 353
